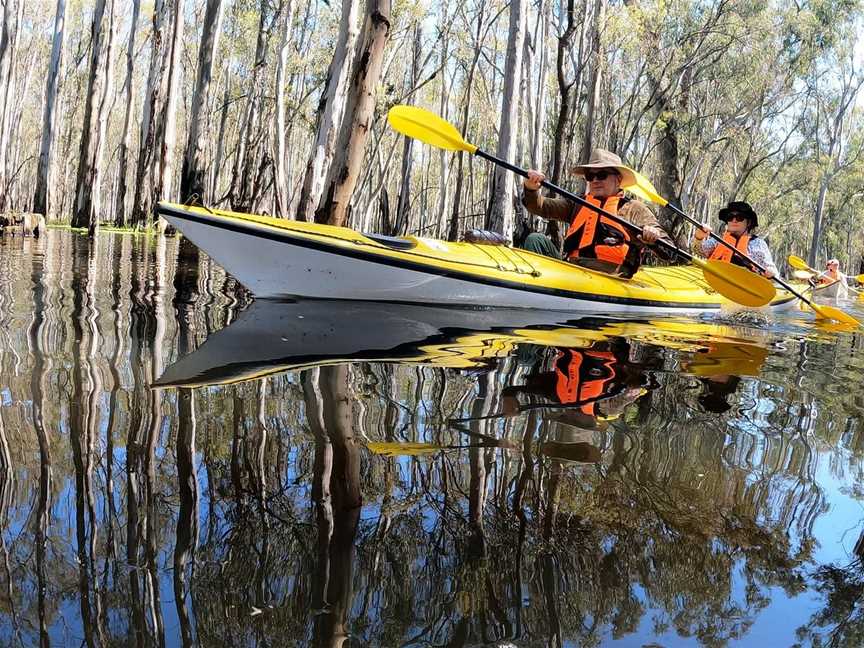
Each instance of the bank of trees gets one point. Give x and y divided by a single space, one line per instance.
278 106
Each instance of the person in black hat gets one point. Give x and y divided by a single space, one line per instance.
741 220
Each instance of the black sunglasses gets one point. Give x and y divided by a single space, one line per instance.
591 176
737 217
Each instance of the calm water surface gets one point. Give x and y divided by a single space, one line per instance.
181 465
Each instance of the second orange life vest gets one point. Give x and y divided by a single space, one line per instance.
722 253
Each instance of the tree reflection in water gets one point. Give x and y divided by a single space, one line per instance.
436 487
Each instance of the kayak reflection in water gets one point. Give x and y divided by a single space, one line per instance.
582 391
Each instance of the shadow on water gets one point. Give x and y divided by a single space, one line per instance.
182 465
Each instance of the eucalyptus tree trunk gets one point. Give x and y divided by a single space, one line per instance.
220 138
42 198
121 210
443 105
537 94
500 218
594 79
194 173
87 182
105 102
154 102
167 131
849 90
9 33
331 109
668 178
563 131
280 171
453 229
404 203
251 159
359 110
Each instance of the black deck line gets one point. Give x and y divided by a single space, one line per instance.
253 229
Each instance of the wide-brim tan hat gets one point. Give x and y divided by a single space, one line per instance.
603 159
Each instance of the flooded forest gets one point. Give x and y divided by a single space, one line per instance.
182 464
278 107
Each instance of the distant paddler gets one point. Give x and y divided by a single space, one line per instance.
741 221
832 273
593 240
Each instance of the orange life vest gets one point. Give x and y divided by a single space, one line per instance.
723 253
583 375
594 236
829 278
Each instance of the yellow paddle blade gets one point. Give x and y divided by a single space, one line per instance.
799 263
427 127
393 449
736 283
859 278
832 313
645 190
727 358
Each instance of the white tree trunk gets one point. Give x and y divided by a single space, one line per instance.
43 197
104 111
594 79
281 176
13 12
331 109
400 225
443 110
220 138
153 102
86 184
194 174
121 208
539 125
163 188
501 213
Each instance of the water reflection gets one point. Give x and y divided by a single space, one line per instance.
180 465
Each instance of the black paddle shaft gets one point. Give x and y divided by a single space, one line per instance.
581 201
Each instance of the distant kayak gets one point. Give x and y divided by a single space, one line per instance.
276 258
834 290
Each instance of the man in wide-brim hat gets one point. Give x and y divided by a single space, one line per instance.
741 221
593 240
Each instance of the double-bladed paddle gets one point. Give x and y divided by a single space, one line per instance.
733 282
644 189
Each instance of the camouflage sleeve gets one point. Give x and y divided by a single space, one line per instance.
559 209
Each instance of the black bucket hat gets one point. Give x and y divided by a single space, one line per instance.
742 208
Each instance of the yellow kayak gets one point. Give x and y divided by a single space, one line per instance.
276 258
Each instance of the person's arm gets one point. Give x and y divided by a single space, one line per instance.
559 209
761 254
639 214
702 244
